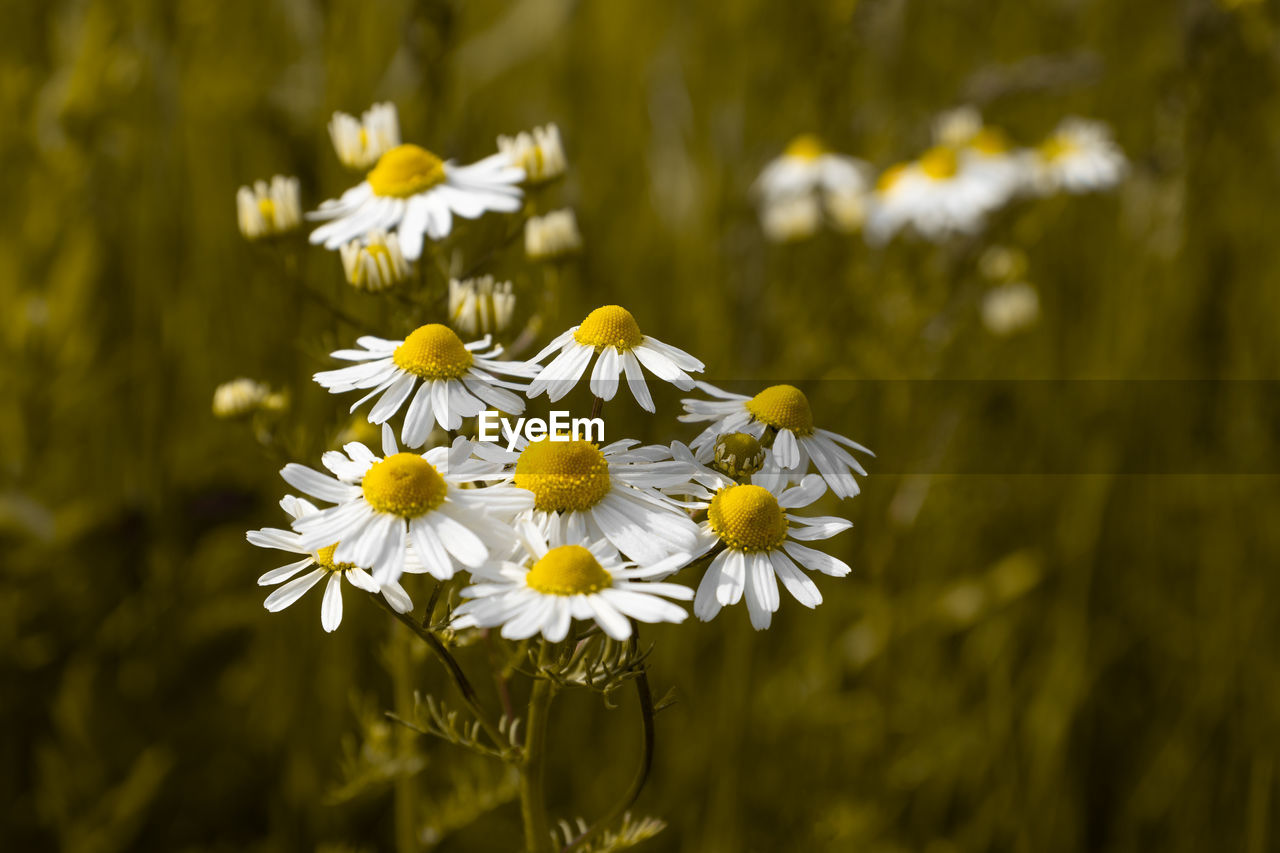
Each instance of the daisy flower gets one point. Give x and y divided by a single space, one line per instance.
1079 157
381 504
606 493
417 193
374 262
539 153
322 565
241 397
934 196
360 142
457 379
784 409
481 306
762 545
806 179
552 236
551 583
614 336
269 209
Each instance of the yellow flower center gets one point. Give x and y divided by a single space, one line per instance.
406 170
890 177
738 454
747 518
609 326
568 570
404 484
783 407
990 141
433 351
1055 148
564 476
940 163
324 558
805 147
267 208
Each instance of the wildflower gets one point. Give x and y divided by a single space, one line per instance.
267 210
360 142
417 193
241 397
324 566
795 188
1079 157
552 236
1010 308
539 153
602 493
762 545
481 306
552 581
612 334
789 218
374 262
738 455
935 196
381 504
454 380
783 410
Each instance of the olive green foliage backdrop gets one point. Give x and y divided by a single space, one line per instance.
1049 652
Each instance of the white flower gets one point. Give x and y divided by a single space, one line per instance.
551 583
481 306
457 379
1010 308
374 262
360 142
602 493
266 210
785 410
795 188
762 546
539 153
242 396
323 562
612 334
1079 157
381 504
552 236
937 196
417 193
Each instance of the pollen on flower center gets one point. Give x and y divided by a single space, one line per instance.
564 476
609 326
324 558
433 351
747 518
939 163
404 484
805 147
406 170
990 141
267 208
568 570
783 407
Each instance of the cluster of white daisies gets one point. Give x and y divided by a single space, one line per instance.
559 528
971 171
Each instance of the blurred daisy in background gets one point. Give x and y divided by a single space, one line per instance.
797 188
1079 157
481 306
556 235
265 210
454 380
551 582
609 493
322 565
762 545
538 152
784 410
374 262
383 503
935 196
611 334
241 397
1010 308
985 151
415 192
360 142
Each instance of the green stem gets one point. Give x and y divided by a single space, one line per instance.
533 801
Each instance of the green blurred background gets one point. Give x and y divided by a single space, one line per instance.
1049 651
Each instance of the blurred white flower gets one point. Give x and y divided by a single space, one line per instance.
796 188
1010 308
374 262
539 153
241 397
265 210
552 236
1079 157
936 196
360 142
481 306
